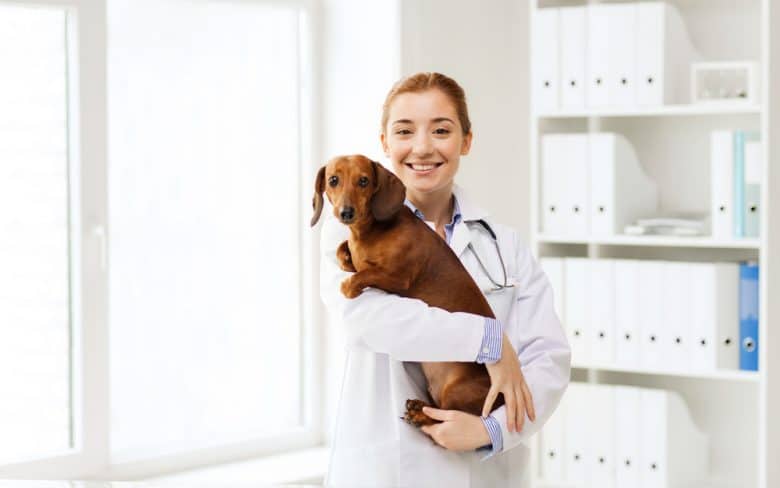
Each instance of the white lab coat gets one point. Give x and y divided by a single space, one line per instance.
388 335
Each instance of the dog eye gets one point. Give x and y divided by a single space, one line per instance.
363 182
333 180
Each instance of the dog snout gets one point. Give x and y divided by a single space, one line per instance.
347 214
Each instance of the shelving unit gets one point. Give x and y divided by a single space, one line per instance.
737 409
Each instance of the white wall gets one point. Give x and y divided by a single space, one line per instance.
483 46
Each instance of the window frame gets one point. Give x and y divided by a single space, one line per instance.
91 457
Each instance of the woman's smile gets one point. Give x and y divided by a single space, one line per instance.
423 168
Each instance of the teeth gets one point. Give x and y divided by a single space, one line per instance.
423 167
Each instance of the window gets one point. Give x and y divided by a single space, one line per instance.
205 224
36 236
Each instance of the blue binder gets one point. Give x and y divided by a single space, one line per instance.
748 316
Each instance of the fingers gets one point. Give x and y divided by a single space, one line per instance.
529 402
489 401
522 407
511 411
437 414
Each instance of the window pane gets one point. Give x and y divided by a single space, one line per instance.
204 219
35 409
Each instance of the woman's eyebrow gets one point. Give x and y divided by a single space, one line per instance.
436 120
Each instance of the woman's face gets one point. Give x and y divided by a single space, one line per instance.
424 141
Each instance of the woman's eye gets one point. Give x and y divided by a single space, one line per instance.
403 132
441 131
363 182
333 180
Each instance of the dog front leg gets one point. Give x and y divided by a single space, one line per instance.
345 257
375 278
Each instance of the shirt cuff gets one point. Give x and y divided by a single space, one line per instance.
494 431
490 350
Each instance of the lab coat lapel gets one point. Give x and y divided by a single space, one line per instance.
461 234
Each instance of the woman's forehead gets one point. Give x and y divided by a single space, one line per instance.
430 105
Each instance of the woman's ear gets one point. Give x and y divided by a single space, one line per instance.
389 194
383 140
319 187
465 147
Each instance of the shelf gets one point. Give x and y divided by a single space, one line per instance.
664 241
745 376
663 111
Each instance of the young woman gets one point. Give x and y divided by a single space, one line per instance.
425 131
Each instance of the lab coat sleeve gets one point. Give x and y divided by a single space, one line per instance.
538 337
407 329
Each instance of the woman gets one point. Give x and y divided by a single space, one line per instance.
425 131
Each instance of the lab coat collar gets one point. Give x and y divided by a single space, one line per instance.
461 236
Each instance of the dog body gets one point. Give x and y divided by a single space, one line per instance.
391 249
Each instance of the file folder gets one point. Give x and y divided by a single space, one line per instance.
577 447
573 41
577 309
714 316
552 445
546 62
627 436
598 61
622 54
555 154
664 53
722 184
602 423
627 339
748 316
577 193
620 191
602 311
651 350
752 189
676 322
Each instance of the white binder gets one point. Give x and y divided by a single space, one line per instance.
554 269
722 184
676 340
673 451
546 61
621 192
602 423
577 446
714 316
554 183
577 194
551 446
602 311
627 432
573 41
597 78
622 24
651 351
627 339
664 54
577 309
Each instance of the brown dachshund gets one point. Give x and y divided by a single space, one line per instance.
389 248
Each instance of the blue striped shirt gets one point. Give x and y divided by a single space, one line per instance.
490 349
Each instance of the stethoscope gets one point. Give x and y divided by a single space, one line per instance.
496 285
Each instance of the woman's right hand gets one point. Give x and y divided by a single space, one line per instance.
506 377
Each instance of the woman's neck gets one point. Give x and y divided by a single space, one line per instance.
437 207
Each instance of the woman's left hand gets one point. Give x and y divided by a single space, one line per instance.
459 431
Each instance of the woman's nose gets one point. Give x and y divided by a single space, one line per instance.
423 146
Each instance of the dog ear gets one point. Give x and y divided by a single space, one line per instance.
319 187
389 194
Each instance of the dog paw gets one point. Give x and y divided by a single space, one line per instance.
414 414
348 290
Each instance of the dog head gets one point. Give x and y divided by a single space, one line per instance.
359 189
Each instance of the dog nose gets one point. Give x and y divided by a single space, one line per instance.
347 213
